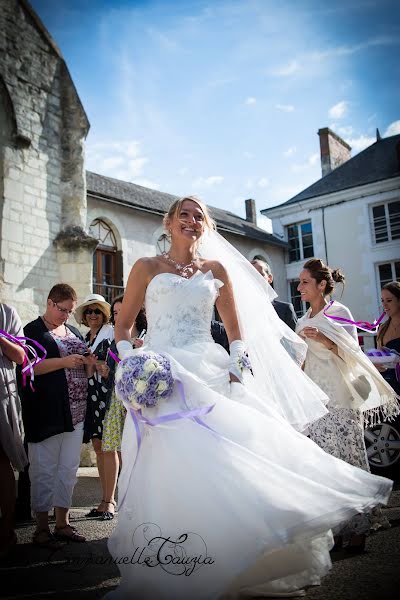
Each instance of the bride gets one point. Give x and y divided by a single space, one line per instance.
238 502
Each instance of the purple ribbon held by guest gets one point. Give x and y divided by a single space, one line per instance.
28 364
363 325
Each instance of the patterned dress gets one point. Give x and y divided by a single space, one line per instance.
99 393
114 420
341 431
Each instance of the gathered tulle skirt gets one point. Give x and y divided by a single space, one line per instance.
234 503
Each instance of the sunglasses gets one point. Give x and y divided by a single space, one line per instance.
93 311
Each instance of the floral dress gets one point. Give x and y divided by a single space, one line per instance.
98 398
114 420
77 381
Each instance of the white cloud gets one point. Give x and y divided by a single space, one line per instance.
290 151
286 70
263 182
361 142
122 160
339 110
345 131
311 162
285 107
251 100
393 129
183 171
313 159
207 182
383 40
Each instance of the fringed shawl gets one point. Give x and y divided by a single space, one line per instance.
370 393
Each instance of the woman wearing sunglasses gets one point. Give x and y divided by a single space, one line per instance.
95 313
53 411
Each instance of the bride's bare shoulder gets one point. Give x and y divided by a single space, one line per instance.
147 265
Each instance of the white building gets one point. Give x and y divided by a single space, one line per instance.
350 218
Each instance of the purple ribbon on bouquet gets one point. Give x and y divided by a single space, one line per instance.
138 418
363 325
28 364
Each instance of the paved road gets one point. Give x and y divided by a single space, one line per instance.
38 574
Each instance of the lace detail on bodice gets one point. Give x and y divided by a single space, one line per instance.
178 310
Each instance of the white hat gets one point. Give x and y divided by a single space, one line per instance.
93 299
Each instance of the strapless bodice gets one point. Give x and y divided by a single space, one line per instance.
178 310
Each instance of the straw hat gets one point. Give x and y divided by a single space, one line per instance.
104 306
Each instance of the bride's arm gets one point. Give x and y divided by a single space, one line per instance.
226 302
138 280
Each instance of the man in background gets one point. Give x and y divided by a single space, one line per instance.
284 310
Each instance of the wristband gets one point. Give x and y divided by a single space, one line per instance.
125 349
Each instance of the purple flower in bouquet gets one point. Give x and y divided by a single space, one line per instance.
244 363
144 379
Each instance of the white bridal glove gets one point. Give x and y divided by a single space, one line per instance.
239 361
125 349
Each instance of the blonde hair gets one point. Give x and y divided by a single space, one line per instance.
175 209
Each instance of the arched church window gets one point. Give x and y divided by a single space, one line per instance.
107 262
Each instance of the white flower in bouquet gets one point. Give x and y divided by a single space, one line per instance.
161 386
141 386
149 366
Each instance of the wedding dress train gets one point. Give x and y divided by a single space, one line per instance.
235 503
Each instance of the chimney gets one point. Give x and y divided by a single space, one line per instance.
251 212
334 150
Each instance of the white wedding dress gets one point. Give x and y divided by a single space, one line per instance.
240 491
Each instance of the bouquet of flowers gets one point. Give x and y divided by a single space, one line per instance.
143 379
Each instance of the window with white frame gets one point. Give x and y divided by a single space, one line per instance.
300 306
300 241
388 271
386 221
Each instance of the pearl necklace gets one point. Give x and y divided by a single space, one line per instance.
185 271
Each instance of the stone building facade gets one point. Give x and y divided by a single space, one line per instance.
42 179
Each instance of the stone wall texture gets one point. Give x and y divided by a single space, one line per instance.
42 181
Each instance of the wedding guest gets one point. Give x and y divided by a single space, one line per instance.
284 310
115 415
355 389
94 312
389 331
53 410
12 453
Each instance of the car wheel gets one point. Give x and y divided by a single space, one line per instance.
383 445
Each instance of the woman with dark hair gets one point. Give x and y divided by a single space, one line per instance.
356 392
389 332
54 409
114 419
12 453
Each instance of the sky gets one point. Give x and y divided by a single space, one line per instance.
224 99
